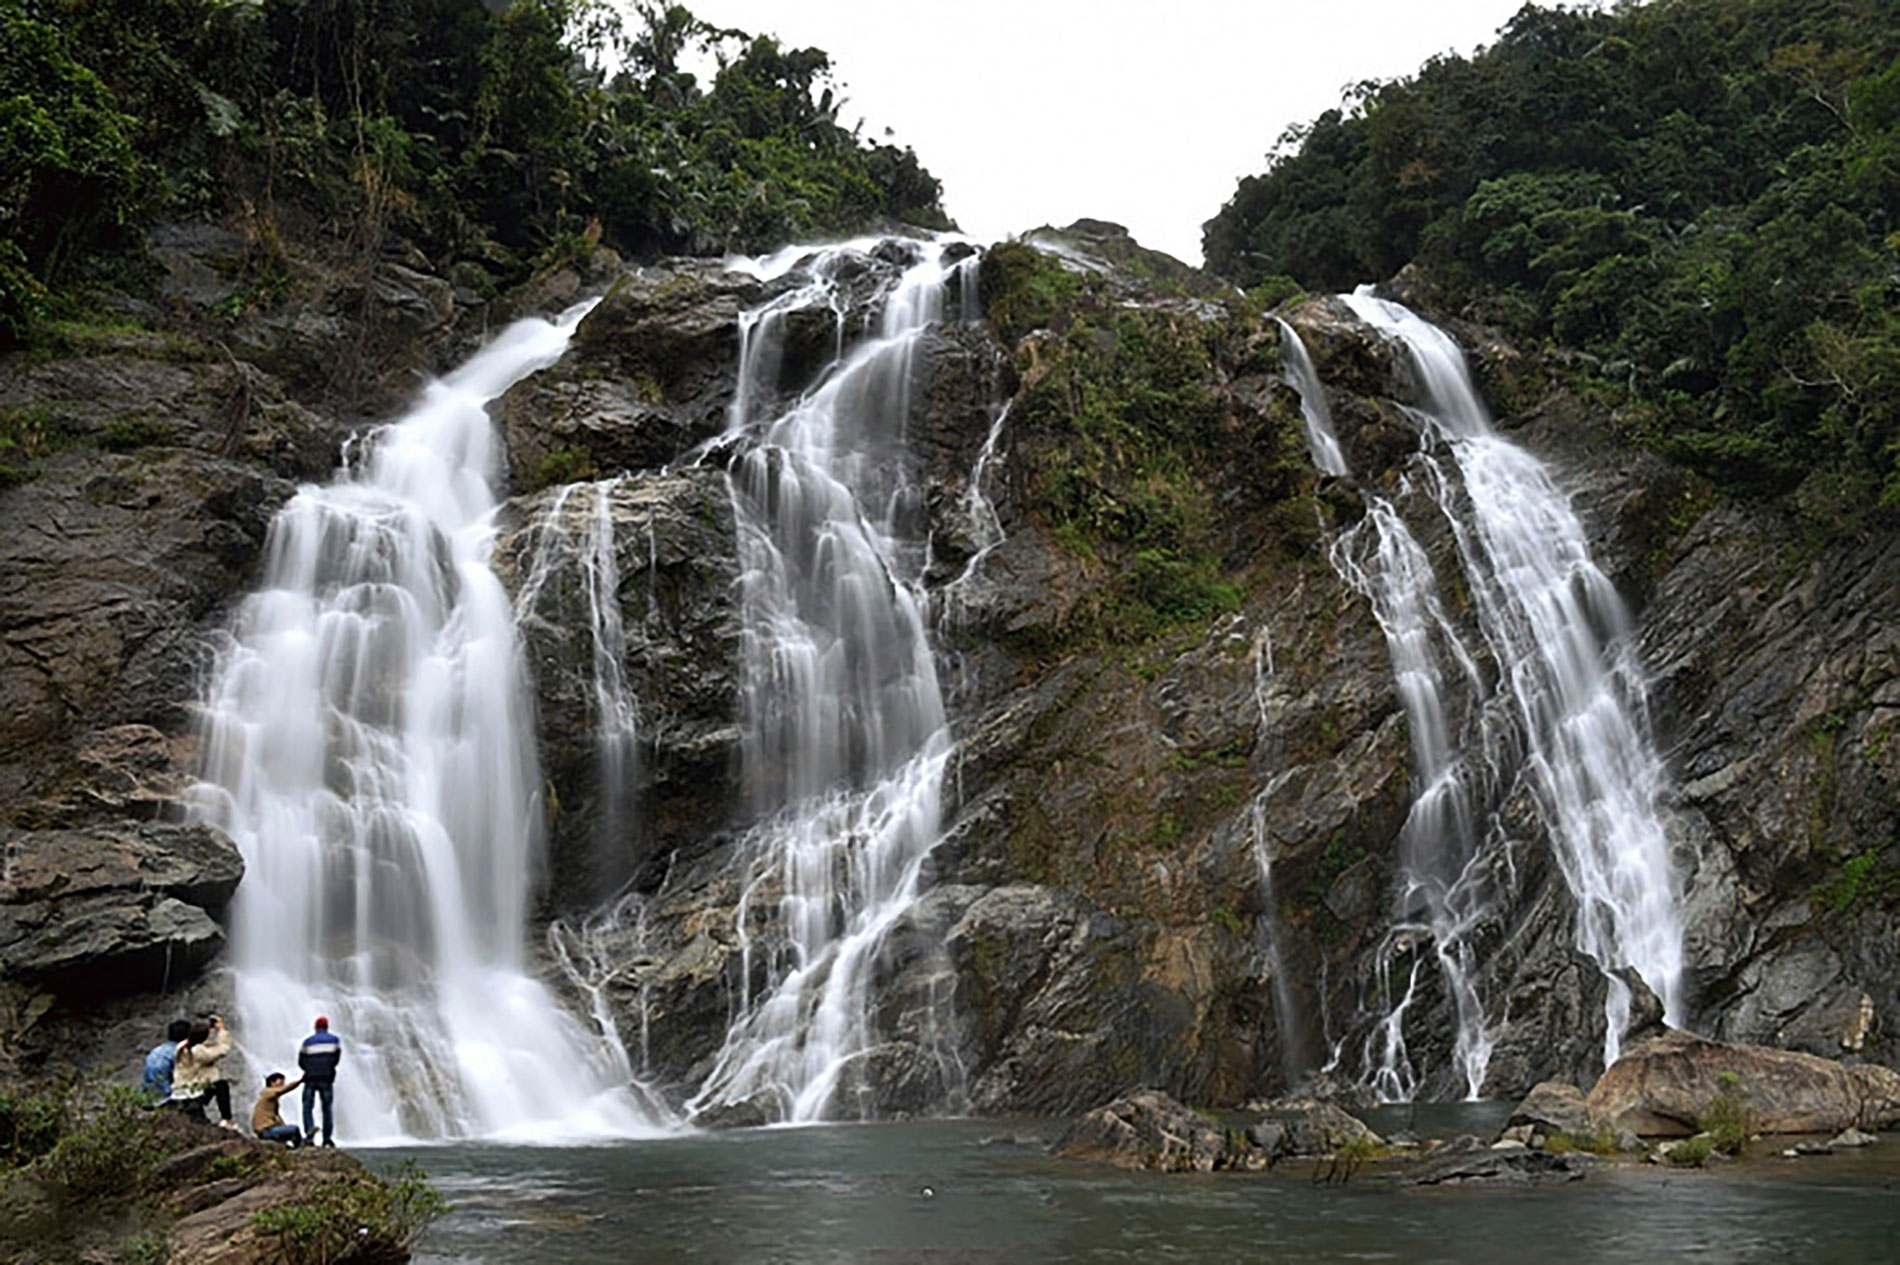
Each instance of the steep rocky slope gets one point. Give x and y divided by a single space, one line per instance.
1155 673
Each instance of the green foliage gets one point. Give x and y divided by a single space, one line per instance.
1726 1119
362 1218
1863 878
27 436
481 131
1697 193
30 1126
1690 1152
107 1148
1600 1140
66 150
568 463
1122 432
1341 853
150 1248
1024 289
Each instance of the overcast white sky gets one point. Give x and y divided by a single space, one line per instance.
1039 112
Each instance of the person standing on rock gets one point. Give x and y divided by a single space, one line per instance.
195 1076
318 1058
267 1120
160 1060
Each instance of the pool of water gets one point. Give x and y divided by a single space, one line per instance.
983 1191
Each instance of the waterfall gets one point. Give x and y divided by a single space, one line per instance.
1559 635
1556 623
1440 897
368 744
845 739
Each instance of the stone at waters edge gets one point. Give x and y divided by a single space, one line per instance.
1662 1087
1147 1129
1552 1107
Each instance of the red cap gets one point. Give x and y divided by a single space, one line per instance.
323 1021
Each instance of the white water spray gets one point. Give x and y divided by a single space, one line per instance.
1556 625
1438 898
845 742
368 744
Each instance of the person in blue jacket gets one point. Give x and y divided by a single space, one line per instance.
159 1062
318 1057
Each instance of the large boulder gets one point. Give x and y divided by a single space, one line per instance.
649 373
1148 1129
114 910
1663 1088
1307 1126
1552 1107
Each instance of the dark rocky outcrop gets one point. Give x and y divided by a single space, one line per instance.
648 375
671 536
1492 1166
111 911
1665 1088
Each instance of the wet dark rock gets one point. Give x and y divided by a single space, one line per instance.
1484 1166
113 910
673 547
105 591
649 374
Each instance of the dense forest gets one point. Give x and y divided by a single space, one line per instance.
1696 198
494 136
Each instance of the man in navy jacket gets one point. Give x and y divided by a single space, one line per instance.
318 1057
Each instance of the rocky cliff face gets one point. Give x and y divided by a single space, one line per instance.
1156 676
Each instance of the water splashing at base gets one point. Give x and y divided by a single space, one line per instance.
845 744
367 743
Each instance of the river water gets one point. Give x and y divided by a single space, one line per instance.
850 1193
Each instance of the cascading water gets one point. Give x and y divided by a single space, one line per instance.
845 741
1439 896
576 529
368 744
1557 624
1558 632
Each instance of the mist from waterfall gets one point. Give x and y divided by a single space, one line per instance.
845 739
368 743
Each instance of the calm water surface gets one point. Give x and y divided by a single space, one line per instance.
856 1193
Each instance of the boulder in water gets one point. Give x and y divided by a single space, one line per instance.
1307 1126
1664 1086
1487 1166
1148 1129
1552 1107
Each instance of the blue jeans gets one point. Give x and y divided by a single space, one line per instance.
312 1090
280 1133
